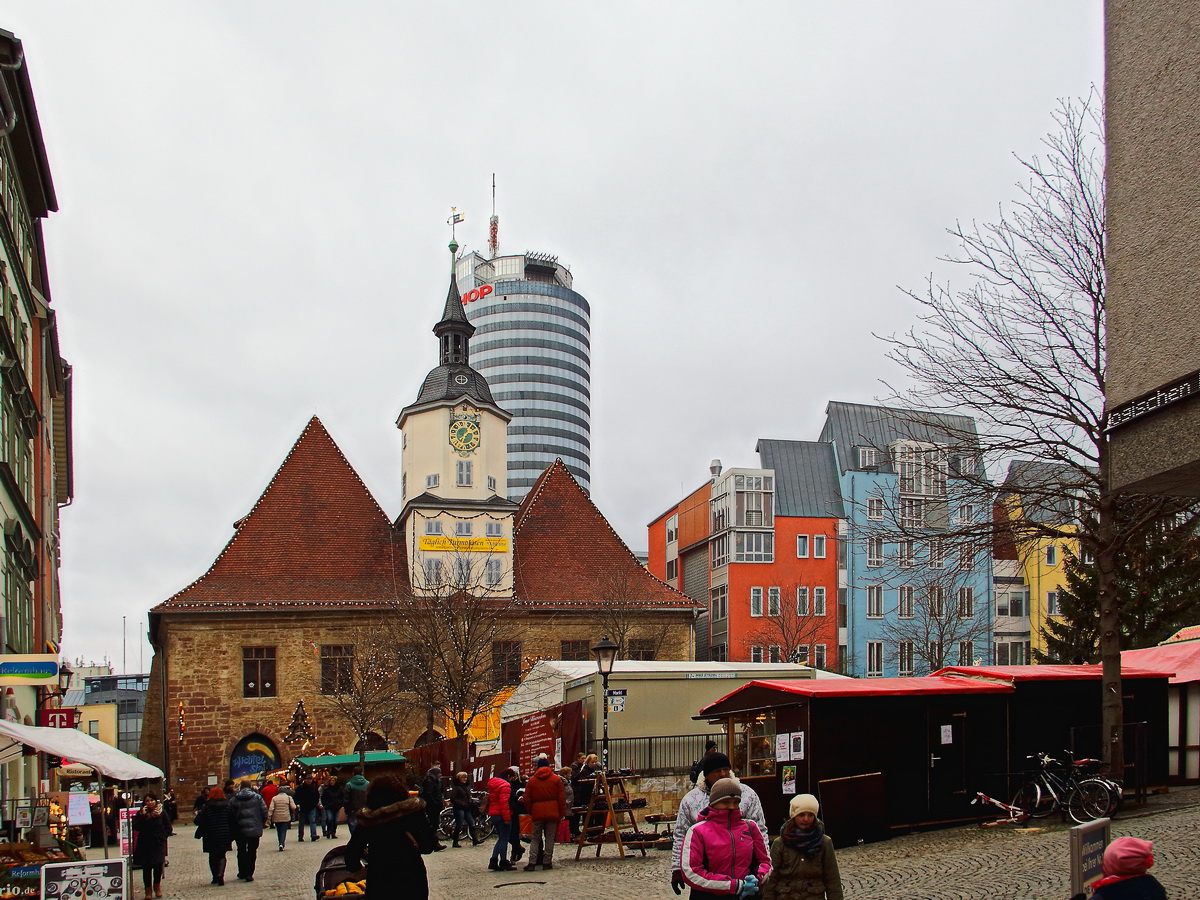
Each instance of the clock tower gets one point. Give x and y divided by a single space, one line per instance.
457 520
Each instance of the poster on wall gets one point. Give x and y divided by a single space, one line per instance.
797 744
789 780
783 747
79 809
253 755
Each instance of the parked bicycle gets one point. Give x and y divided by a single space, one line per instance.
483 828
1014 815
1058 786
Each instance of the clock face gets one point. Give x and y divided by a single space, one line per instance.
464 435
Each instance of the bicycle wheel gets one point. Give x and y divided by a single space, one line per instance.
1034 800
1114 793
446 822
1088 801
483 829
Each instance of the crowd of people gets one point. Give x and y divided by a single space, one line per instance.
720 845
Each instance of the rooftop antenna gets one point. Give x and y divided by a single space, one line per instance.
493 225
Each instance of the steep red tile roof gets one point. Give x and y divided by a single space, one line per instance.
315 538
565 552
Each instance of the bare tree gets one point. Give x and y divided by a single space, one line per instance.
457 635
627 616
1022 350
791 622
937 622
360 686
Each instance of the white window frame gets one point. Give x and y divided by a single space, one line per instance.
756 602
876 552
818 546
966 653
937 602
937 553
463 473
773 602
802 654
494 529
966 602
1052 603
906 601
433 526
463 529
433 571
491 483
906 554
874 601
905 659
818 601
775 654
868 456
672 529
718 602
818 656
493 572
431 481
874 659
1051 555
802 546
802 600
756 654
875 509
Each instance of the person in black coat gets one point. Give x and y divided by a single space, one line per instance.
216 824
333 798
308 798
151 828
516 807
433 794
392 834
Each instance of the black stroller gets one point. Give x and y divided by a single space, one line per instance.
333 872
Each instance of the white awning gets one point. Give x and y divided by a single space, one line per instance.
74 746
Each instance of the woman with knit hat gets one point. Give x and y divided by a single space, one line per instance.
803 864
1125 863
724 854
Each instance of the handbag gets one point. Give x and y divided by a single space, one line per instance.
564 832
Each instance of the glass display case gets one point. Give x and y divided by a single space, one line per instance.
754 745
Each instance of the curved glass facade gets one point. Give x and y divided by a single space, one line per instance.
533 345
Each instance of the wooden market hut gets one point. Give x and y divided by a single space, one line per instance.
891 753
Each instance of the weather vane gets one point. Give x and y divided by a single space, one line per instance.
455 218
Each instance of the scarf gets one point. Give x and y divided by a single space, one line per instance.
807 842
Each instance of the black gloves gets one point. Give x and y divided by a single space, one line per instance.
677 881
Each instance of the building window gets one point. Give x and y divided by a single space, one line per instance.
922 470
433 572
576 650
937 553
431 481
775 654
937 602
719 602
337 668
966 653
756 654
94 728
818 546
433 526
936 655
463 473
258 671
875 508
754 500
874 601
494 529
463 529
966 602
1051 555
754 546
773 601
874 659
719 653
506 662
491 483
643 649
720 551
875 551
966 513
904 656
1052 603
1010 653
801 601
756 601
867 456
672 529
819 601
819 656
912 512
802 546
906 607
1087 557
966 556
907 554
801 656
493 572
672 569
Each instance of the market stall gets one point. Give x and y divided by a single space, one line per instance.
21 861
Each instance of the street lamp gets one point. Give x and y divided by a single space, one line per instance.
606 655
387 730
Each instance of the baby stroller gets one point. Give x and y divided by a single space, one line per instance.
333 872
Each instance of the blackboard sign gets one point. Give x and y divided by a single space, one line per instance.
100 879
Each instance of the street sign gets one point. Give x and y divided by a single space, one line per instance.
1087 853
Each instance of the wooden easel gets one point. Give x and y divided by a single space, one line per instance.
602 803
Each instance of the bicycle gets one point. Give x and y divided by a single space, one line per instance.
483 827
1015 815
1061 789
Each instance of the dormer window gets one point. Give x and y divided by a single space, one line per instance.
868 458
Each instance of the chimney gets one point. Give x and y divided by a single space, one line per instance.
714 468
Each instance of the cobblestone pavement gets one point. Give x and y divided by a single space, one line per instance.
965 863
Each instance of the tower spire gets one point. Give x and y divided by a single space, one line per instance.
455 329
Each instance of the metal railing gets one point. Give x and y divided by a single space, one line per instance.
671 754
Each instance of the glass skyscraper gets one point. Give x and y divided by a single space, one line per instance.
533 345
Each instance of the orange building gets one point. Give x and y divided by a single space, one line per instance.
759 548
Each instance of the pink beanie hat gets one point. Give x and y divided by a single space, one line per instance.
1128 856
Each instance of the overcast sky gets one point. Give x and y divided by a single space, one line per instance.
253 199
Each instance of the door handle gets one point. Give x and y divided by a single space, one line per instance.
933 759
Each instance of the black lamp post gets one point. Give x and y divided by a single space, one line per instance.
606 655
387 730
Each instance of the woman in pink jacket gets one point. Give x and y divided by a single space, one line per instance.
498 790
723 854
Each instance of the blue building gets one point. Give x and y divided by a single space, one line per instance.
916 570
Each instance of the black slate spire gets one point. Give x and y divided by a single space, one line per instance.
454 330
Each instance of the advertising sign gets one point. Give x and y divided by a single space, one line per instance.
57 718
445 544
28 669
100 879
1087 853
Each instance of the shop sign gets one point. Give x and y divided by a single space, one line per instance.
476 294
63 717
444 544
29 669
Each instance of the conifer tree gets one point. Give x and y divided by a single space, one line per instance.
300 728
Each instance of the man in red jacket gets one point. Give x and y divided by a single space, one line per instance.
546 801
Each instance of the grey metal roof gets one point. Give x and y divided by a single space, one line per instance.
806 477
851 425
444 384
1045 489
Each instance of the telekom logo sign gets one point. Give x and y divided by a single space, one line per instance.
57 718
476 294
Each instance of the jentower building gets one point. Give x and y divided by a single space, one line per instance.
533 345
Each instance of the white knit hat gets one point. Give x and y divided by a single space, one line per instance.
803 803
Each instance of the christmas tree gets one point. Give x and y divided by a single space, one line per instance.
300 729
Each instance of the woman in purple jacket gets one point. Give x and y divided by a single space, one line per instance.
723 854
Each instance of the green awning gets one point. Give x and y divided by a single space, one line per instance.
350 759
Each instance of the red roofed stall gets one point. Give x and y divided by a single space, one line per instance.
889 753
1180 654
